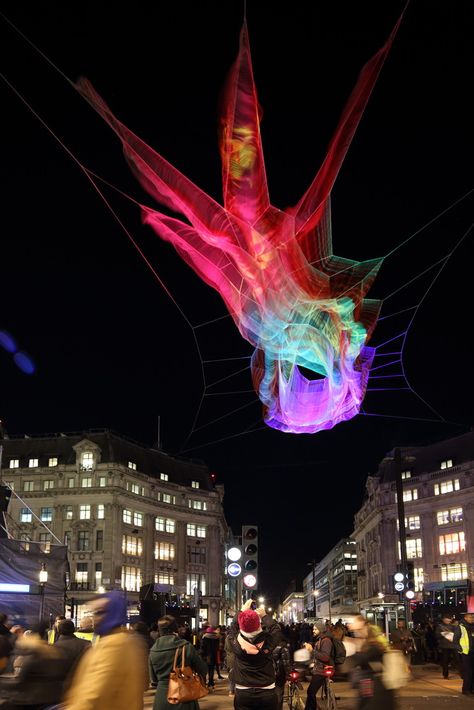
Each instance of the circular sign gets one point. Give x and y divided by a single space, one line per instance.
234 553
399 586
234 569
410 594
399 577
250 580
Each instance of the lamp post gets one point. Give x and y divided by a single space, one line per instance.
43 579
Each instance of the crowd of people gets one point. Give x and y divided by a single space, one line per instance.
42 668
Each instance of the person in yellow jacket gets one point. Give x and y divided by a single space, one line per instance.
464 639
113 674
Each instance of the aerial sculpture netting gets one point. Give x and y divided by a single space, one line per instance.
301 307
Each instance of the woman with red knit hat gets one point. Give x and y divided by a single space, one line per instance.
253 639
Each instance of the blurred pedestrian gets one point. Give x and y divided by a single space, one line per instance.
209 650
229 659
161 661
113 673
366 664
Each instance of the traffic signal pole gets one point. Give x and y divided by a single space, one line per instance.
397 460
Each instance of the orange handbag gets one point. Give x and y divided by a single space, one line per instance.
184 684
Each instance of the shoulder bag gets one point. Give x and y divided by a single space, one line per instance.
184 684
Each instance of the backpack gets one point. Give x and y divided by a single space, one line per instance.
339 652
395 673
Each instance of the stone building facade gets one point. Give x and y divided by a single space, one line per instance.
130 515
438 493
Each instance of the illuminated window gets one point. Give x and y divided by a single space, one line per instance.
84 512
68 512
28 486
98 574
25 515
138 519
46 515
131 578
413 522
452 543
414 548
164 477
442 516
138 490
454 572
52 461
132 465
33 463
193 581
47 485
419 578
87 461
132 545
456 515
14 463
82 572
102 481
446 487
197 504
406 474
86 482
200 531
194 484
127 516
168 498
70 482
164 578
67 538
446 464
100 511
164 551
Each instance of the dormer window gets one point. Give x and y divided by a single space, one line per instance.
405 475
14 463
132 465
194 484
448 463
87 461
164 477
52 461
33 463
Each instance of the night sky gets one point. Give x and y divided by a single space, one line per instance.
110 347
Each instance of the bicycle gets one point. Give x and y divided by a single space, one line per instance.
293 695
328 697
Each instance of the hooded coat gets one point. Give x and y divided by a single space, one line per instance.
113 673
161 664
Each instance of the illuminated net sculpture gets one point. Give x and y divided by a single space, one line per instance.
302 308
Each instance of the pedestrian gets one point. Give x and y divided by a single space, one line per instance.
444 632
162 657
209 650
322 656
464 640
71 647
366 676
220 631
113 673
53 633
402 640
253 636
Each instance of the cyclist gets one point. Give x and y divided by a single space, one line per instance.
322 657
282 663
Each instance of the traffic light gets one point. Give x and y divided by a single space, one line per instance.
399 581
250 556
410 580
234 561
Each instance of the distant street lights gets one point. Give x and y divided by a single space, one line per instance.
43 580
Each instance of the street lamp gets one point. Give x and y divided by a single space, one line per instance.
261 600
43 580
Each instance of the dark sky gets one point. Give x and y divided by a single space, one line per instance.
110 347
